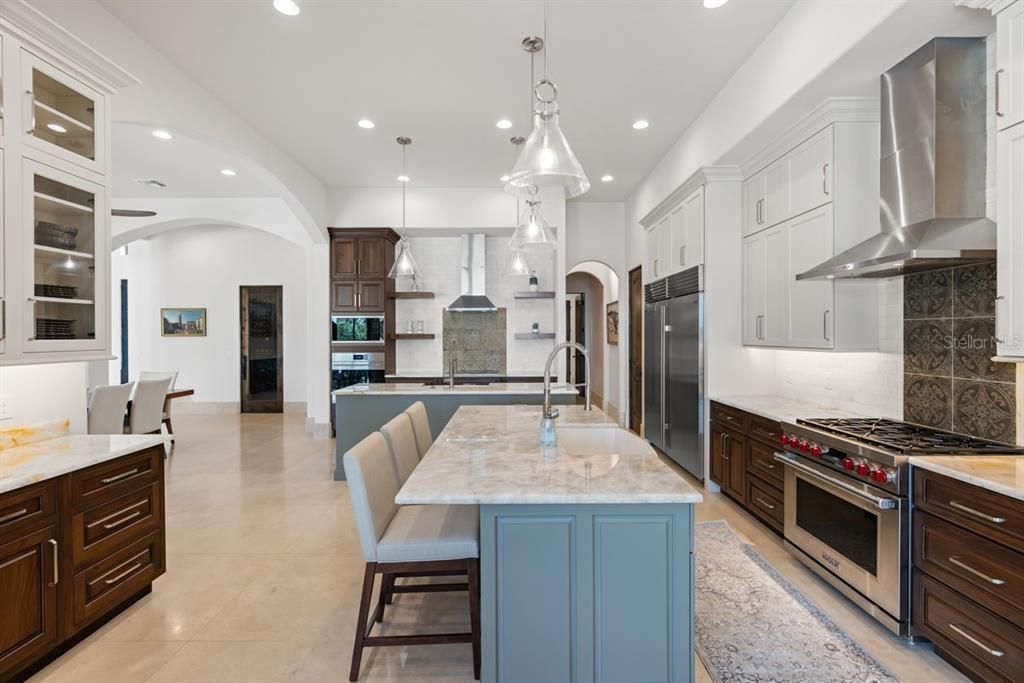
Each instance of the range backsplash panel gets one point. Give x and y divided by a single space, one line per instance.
480 341
950 381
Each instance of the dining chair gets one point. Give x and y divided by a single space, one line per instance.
408 541
148 406
401 441
417 412
107 408
173 375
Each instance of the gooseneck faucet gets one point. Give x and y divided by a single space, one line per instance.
547 426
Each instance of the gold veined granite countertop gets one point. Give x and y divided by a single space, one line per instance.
491 455
997 473
510 388
52 457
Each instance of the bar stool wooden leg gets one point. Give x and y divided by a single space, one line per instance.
386 584
473 579
364 612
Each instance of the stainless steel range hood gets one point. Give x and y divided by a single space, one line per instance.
932 204
473 271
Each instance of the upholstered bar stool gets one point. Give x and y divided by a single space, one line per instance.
417 412
408 541
401 440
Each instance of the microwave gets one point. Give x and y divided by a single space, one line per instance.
357 329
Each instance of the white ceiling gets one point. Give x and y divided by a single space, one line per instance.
444 71
188 167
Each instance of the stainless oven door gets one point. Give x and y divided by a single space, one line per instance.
853 530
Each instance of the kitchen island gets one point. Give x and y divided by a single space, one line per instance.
361 409
586 547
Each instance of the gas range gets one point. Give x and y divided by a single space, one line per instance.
876 450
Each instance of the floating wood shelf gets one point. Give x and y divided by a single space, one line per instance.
534 295
411 295
539 335
405 335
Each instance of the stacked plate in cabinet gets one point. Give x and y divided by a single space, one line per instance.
57 291
55 235
54 328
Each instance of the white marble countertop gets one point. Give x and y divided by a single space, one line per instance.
783 409
998 473
511 388
491 455
442 373
24 465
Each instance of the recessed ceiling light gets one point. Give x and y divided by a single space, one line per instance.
607 178
228 172
286 7
503 178
366 123
162 134
504 124
403 178
640 125
57 128
714 4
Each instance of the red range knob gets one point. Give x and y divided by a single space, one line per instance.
863 469
848 464
816 451
784 439
880 476
805 446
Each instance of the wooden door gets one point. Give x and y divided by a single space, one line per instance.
719 469
810 301
636 349
810 173
343 297
28 598
262 367
372 261
736 461
344 258
371 297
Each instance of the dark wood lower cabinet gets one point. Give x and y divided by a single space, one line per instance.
74 551
968 579
742 462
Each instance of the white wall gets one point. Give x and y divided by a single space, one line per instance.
204 266
39 393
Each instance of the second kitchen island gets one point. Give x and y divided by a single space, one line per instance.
586 547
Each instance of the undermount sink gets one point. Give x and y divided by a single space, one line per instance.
587 440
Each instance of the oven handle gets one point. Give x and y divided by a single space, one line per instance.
880 503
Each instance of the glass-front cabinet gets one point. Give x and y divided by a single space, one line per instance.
67 266
62 114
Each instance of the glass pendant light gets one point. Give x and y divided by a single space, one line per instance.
533 232
517 264
547 160
405 264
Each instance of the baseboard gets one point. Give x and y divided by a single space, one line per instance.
319 430
190 407
295 407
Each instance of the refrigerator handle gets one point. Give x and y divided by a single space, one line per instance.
666 414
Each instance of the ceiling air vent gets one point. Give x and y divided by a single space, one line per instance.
150 182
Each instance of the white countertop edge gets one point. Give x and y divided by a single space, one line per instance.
66 463
465 389
541 499
934 464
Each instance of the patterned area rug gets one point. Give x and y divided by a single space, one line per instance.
754 626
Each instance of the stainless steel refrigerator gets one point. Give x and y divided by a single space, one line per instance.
674 367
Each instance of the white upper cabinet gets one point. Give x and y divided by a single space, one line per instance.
62 115
676 241
1010 252
809 241
817 198
1010 66
810 174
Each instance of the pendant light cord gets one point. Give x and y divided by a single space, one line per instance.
405 182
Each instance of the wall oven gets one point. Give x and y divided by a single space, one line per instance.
357 329
356 368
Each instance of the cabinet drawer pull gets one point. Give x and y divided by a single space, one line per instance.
824 179
972 511
14 515
956 560
119 477
765 464
999 109
123 520
764 502
56 562
31 117
131 570
972 639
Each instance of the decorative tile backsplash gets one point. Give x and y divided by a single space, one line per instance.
480 341
949 379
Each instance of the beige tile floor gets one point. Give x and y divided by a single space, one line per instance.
264 570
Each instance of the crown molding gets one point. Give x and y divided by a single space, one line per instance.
700 178
833 110
33 27
993 6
